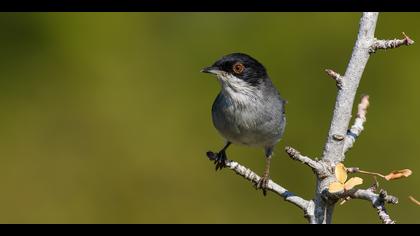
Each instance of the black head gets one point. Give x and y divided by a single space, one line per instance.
241 66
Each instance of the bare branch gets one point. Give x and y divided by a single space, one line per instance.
365 194
334 146
335 76
378 201
314 165
383 215
251 176
379 204
336 139
333 150
310 212
340 138
389 44
373 197
357 127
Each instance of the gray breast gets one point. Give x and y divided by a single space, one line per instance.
258 122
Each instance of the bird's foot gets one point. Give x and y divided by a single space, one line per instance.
219 159
263 183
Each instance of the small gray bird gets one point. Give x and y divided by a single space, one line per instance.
248 110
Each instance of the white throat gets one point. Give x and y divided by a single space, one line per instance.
237 89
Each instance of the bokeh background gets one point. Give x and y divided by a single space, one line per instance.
105 117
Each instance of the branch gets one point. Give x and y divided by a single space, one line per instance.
314 165
373 197
389 44
378 201
340 138
251 176
333 150
335 76
357 127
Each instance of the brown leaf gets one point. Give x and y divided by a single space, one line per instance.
414 200
352 183
335 187
398 174
341 173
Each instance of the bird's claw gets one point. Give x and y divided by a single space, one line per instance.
219 159
263 184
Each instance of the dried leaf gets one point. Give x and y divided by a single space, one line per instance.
340 173
353 182
336 187
398 174
414 200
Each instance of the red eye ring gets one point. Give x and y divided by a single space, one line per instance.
238 68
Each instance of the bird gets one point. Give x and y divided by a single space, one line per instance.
248 110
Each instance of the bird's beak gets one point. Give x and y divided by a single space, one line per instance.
211 70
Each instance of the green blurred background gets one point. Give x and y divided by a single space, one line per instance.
105 117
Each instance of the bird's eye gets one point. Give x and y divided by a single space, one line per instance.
238 68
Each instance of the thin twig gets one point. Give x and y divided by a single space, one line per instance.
314 165
251 176
389 44
379 204
378 201
358 125
374 186
335 76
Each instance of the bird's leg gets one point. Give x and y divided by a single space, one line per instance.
265 178
219 158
